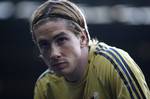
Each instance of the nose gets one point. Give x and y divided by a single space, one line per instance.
55 53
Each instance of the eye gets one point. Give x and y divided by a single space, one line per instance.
43 44
61 40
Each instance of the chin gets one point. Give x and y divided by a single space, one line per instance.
64 72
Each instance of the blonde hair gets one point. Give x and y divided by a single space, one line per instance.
60 9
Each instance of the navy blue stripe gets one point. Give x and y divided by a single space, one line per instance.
131 73
119 72
126 73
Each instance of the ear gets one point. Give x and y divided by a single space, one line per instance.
83 39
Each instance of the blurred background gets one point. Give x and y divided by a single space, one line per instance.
121 23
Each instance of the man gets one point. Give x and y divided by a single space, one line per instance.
78 67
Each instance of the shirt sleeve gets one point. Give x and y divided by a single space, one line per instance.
38 91
135 76
124 78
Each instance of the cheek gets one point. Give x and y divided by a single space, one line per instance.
72 50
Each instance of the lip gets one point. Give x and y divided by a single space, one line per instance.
59 65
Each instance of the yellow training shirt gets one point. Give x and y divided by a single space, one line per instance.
110 74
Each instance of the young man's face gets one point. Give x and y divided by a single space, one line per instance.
60 47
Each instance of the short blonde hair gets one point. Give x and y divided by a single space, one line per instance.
60 9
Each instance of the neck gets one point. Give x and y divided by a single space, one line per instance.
80 70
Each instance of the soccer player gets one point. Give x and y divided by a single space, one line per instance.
80 67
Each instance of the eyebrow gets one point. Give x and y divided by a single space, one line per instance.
58 35
55 37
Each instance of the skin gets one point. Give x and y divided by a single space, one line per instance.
62 50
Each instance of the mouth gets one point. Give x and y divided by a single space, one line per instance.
59 65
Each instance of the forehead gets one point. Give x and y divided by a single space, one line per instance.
48 29
49 26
